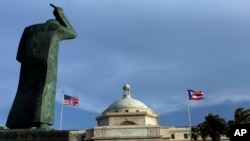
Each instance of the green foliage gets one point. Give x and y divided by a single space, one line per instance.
2 128
195 133
213 126
242 116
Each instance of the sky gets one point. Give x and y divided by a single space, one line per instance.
161 48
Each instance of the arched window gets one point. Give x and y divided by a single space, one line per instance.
127 123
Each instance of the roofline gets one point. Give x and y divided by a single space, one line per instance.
127 114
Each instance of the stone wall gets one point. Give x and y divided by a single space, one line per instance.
128 132
36 135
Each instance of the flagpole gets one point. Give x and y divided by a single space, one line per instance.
189 119
61 112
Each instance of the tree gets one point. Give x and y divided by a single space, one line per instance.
242 116
2 128
195 133
213 126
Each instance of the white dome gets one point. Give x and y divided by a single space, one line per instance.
127 104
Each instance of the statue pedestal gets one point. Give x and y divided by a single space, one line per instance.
36 135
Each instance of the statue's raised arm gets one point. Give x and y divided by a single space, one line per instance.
62 19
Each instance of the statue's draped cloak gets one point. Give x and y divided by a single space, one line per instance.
35 98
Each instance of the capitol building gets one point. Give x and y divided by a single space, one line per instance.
129 119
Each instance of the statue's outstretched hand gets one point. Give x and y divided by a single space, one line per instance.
57 11
53 5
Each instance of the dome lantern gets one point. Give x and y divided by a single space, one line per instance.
126 89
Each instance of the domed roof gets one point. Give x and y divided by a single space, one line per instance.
127 104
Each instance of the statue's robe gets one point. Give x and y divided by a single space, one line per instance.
38 52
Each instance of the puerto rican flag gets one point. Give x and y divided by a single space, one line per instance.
195 95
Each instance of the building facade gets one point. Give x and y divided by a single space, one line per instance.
129 119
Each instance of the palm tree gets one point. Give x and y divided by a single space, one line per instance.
242 116
213 126
195 133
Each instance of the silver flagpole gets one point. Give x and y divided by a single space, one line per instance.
189 119
61 112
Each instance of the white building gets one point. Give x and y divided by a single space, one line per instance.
129 119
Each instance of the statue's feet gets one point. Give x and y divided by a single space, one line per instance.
43 126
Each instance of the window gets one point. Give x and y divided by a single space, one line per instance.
137 110
185 136
127 123
126 110
172 136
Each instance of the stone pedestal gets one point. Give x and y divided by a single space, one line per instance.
34 135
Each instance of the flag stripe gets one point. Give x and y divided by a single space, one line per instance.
195 94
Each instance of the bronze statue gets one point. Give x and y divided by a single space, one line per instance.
34 103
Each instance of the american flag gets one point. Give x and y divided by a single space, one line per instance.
71 100
195 95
